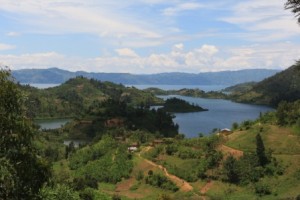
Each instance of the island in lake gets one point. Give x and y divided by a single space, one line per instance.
181 106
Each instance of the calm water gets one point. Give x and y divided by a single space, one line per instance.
221 114
41 85
52 123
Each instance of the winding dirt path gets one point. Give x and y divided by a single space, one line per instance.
206 187
182 184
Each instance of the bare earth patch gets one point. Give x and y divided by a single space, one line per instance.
231 151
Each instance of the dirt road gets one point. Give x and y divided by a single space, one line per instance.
181 184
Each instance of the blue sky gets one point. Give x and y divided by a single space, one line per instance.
148 36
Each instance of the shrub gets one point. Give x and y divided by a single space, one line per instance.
262 189
160 181
140 175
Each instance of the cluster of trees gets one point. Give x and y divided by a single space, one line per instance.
23 171
294 5
251 166
160 181
72 98
133 118
199 156
288 113
105 161
178 105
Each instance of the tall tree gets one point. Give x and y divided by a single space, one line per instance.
23 169
294 5
260 151
231 169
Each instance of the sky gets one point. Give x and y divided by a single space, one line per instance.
148 36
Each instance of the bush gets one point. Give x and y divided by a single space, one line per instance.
87 194
116 197
59 192
84 182
160 181
262 189
171 149
140 175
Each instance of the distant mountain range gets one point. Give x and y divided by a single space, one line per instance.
57 76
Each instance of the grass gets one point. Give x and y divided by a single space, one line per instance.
221 190
280 139
285 143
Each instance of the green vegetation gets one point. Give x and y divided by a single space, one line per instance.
259 160
240 88
188 92
105 161
23 171
74 97
160 181
284 86
294 5
180 106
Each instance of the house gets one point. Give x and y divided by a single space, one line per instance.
225 131
132 149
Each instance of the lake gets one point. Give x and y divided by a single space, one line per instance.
52 123
221 114
41 85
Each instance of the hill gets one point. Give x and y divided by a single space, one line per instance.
77 95
55 75
176 105
284 86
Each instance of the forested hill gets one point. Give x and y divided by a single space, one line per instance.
54 75
284 86
77 95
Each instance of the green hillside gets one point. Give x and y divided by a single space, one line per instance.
284 86
74 97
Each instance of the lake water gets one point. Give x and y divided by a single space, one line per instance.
52 123
221 114
41 85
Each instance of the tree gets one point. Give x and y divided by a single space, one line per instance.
260 151
294 5
59 192
231 169
24 170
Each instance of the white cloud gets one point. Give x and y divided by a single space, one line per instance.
267 20
37 60
170 11
126 52
62 17
13 34
4 47
202 59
